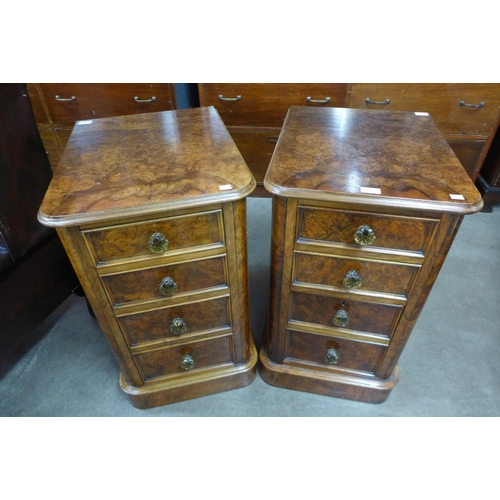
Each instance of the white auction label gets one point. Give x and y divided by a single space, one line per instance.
370 190
421 113
85 122
225 187
456 197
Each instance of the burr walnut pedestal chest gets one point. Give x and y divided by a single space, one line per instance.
151 210
366 205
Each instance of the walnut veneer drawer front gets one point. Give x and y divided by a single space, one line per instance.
184 358
70 102
354 274
178 321
348 314
266 105
333 352
153 238
362 229
457 108
165 281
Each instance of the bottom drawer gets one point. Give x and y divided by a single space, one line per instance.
331 351
185 357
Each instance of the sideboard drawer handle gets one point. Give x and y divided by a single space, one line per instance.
341 318
157 243
272 139
318 101
364 235
62 99
237 98
332 356
480 105
187 362
168 286
177 327
153 99
352 279
368 101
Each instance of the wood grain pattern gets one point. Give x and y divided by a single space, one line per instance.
145 164
339 226
345 150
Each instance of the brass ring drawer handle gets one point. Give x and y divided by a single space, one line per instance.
318 101
341 318
480 105
369 101
63 99
153 99
168 286
157 243
222 98
187 362
364 235
331 356
177 327
352 279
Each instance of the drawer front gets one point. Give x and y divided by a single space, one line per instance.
333 352
441 100
101 100
350 314
156 283
264 104
159 324
51 146
37 106
185 358
375 276
131 241
468 152
63 135
257 147
344 227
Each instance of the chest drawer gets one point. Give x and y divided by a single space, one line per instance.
178 321
185 358
164 281
333 352
349 314
360 229
153 238
70 102
266 105
457 108
354 274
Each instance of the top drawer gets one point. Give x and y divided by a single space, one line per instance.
70 102
457 108
367 230
144 240
266 104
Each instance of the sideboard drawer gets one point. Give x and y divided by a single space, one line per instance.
185 358
70 102
133 241
457 108
373 275
369 317
333 352
164 281
159 324
266 105
379 231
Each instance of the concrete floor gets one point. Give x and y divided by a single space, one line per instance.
450 366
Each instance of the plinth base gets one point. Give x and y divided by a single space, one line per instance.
163 392
346 386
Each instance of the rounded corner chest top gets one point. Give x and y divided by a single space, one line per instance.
151 210
366 206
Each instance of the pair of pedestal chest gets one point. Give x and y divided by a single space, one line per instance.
151 210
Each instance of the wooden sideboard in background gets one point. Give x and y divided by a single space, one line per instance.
254 112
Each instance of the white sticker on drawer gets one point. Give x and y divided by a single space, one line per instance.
456 197
421 113
370 190
84 122
225 187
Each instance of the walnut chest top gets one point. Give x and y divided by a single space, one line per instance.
374 157
133 165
